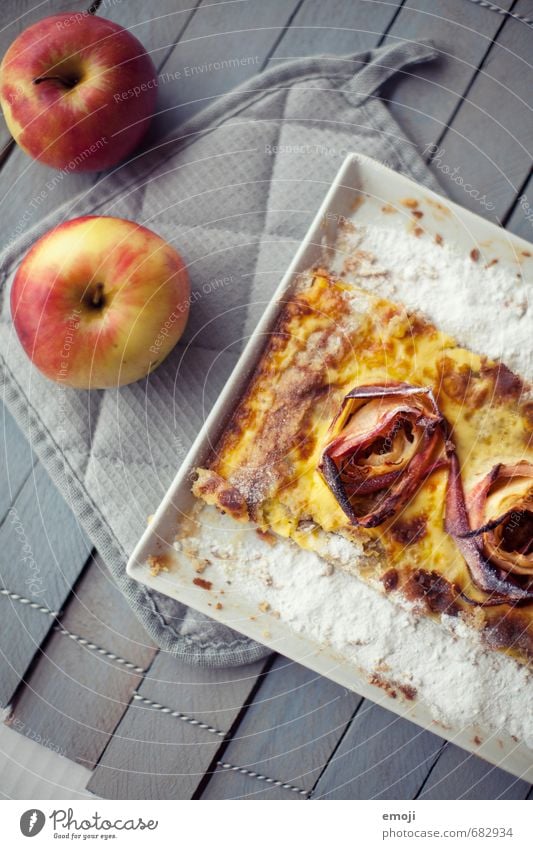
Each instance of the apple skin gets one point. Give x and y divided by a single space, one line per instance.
92 116
99 302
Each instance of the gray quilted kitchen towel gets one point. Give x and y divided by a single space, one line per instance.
234 190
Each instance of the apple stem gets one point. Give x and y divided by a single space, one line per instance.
98 295
68 82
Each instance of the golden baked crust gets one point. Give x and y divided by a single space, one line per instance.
331 337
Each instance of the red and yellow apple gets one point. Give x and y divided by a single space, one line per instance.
77 91
99 302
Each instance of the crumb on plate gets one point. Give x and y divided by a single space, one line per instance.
200 582
157 563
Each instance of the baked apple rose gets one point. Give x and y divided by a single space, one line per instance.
493 528
388 438
501 510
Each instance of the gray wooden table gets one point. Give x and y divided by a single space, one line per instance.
89 682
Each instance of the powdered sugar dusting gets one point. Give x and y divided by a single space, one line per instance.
487 309
444 662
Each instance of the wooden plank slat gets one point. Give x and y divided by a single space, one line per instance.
288 733
490 138
459 775
158 26
99 612
16 460
381 757
424 99
154 755
43 551
225 44
335 27
75 696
